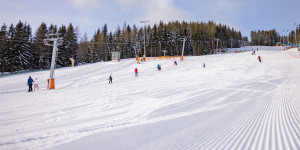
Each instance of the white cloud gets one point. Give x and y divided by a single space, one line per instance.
86 5
127 2
165 10
154 10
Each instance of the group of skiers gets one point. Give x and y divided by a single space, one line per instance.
136 71
31 82
253 53
36 84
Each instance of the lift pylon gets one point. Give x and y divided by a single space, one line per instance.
52 40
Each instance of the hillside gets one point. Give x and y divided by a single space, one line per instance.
234 103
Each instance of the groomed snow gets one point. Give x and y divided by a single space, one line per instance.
234 103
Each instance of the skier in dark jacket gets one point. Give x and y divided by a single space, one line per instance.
110 79
29 83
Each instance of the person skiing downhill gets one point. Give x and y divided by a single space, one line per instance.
110 79
203 65
136 72
29 83
36 85
259 58
158 67
175 63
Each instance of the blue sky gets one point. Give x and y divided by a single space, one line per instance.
89 15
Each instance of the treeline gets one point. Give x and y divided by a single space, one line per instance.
271 37
20 50
291 37
267 38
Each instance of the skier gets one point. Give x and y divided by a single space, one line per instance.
29 83
36 84
175 63
203 65
253 52
110 80
158 67
259 58
136 72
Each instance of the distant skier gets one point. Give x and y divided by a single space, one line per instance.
36 84
257 49
29 83
253 52
259 58
158 67
203 65
110 79
175 63
136 72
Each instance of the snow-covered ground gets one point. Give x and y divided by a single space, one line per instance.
234 103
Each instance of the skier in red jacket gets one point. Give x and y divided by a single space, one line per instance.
136 71
259 58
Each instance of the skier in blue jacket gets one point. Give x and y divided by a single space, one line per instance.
158 67
29 83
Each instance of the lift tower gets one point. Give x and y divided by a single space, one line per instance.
52 40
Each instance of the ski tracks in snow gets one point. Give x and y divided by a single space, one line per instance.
251 105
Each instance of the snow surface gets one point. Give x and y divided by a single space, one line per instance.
234 103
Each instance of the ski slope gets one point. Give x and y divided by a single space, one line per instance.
234 103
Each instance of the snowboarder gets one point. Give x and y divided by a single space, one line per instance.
29 83
203 65
158 67
110 80
175 63
259 58
136 72
36 84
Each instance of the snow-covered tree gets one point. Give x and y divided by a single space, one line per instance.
4 49
19 55
41 52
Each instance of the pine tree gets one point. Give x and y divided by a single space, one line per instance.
41 52
110 46
4 49
72 47
62 53
19 47
117 40
103 44
83 50
96 53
